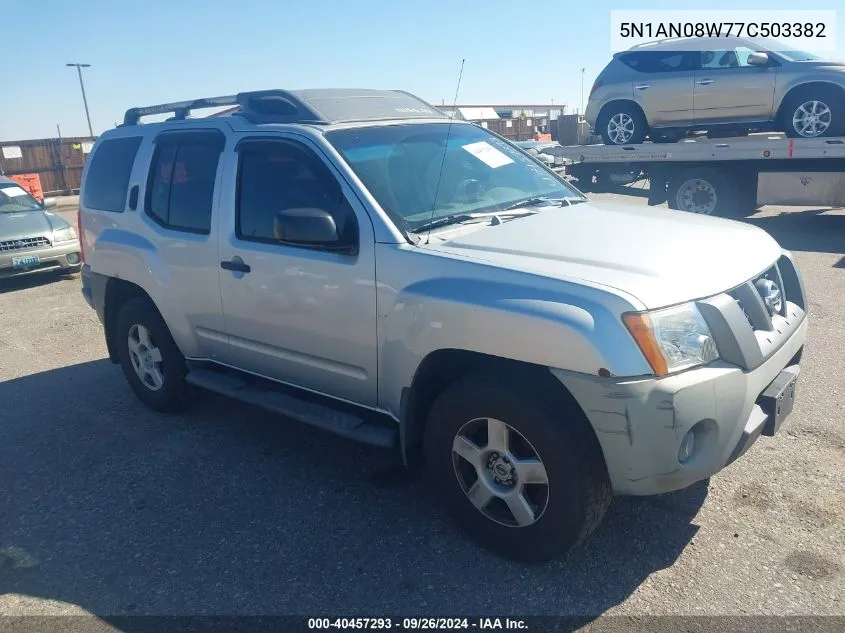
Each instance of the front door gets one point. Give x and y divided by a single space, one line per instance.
728 88
303 315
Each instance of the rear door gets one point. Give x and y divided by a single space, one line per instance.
178 209
728 88
662 85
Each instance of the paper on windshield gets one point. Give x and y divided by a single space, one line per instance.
488 154
13 192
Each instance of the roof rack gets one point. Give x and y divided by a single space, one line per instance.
321 106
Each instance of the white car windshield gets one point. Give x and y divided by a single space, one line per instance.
14 199
416 178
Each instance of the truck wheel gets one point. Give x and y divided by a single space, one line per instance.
151 362
814 113
518 475
706 191
622 124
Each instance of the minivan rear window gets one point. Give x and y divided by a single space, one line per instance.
107 180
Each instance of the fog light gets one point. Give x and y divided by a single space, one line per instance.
687 446
73 259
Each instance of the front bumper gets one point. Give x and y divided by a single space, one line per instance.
640 423
53 257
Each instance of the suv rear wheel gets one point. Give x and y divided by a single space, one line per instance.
149 357
622 124
517 475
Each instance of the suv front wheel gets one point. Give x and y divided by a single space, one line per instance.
521 476
149 357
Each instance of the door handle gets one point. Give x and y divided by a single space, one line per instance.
643 87
704 82
236 265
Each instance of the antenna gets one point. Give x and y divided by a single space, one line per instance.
445 149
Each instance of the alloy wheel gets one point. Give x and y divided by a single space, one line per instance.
500 472
145 357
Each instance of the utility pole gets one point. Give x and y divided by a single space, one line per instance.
582 91
79 68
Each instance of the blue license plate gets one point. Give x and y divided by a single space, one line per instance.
25 262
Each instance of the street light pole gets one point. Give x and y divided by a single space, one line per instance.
582 91
79 68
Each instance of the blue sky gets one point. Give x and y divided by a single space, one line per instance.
514 51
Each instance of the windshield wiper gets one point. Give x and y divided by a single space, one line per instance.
464 217
540 201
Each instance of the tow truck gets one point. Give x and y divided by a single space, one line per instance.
716 176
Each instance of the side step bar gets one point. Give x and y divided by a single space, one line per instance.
267 395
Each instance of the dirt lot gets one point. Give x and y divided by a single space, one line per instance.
108 508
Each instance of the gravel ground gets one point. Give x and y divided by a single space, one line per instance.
108 508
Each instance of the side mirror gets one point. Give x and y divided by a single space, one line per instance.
308 226
49 203
758 59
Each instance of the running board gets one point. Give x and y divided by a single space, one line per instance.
267 395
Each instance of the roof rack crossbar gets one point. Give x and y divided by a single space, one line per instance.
181 109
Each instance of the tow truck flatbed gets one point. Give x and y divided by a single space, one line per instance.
723 176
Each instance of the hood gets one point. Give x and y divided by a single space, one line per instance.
824 64
661 257
28 224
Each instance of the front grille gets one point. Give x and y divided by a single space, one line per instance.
750 300
23 243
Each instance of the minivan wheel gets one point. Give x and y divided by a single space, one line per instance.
623 124
520 477
151 362
814 113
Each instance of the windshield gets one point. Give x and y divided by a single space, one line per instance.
401 166
14 198
786 51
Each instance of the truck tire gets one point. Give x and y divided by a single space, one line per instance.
622 123
524 478
152 363
707 191
813 112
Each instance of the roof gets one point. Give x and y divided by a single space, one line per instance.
317 106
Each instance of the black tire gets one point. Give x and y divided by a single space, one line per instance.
714 189
579 490
173 393
622 109
832 97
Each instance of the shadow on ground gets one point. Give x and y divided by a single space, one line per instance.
33 280
228 509
805 230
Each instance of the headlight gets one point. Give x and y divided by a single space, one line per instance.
64 235
672 339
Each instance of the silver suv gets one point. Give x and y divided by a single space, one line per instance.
359 262
724 85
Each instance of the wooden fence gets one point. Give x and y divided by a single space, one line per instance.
57 162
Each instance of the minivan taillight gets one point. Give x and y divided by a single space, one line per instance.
79 233
595 87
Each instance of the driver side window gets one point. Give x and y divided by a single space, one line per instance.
275 176
733 58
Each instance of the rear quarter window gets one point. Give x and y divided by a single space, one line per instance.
657 61
107 180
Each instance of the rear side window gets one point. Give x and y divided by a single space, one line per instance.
108 174
657 61
180 189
